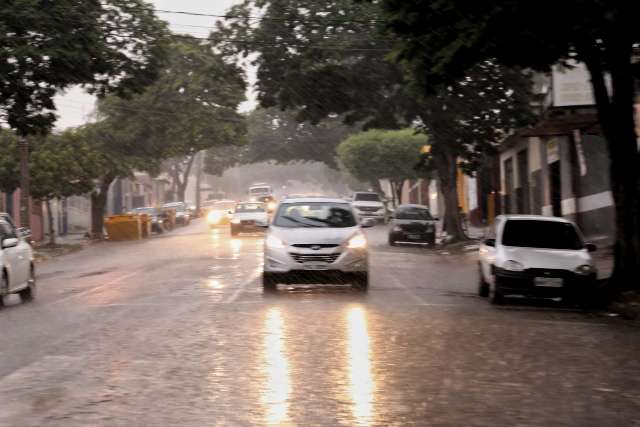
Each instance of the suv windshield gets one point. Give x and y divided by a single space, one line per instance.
366 197
315 214
413 212
249 207
541 234
260 190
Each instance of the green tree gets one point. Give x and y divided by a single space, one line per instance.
109 46
9 162
112 157
383 154
190 108
62 165
441 40
327 58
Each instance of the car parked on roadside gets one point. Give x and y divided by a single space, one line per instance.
16 260
412 224
315 240
369 205
183 216
536 256
249 217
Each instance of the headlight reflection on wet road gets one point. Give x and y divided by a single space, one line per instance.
361 381
236 247
278 385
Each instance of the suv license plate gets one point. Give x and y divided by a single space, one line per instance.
316 266
548 282
413 236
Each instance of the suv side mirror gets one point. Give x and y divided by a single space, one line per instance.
490 242
10 242
591 247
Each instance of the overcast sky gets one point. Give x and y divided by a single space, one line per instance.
75 106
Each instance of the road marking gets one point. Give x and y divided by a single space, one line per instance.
234 296
96 288
408 291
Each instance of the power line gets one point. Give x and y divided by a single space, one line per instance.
320 20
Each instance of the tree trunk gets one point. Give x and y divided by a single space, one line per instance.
98 206
25 193
447 168
198 182
182 183
616 116
52 234
397 189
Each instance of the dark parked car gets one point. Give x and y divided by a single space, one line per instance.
412 224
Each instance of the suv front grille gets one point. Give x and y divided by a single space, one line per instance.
368 208
315 245
327 258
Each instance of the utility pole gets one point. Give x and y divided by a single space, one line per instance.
25 202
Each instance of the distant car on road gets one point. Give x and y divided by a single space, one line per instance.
412 224
249 217
183 216
535 256
220 213
369 205
16 260
315 240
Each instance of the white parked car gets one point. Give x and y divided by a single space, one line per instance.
249 217
315 240
16 258
369 205
535 256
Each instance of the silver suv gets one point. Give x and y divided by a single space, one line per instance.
315 240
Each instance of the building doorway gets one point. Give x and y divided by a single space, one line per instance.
555 188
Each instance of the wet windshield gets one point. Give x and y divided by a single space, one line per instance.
249 207
413 212
541 234
259 190
366 197
320 214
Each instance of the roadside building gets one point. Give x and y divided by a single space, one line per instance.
560 166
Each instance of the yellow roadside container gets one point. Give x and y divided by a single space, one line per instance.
145 225
171 216
123 227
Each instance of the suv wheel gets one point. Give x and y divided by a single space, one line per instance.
361 281
29 293
483 287
269 282
496 296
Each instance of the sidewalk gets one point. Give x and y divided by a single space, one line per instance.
64 245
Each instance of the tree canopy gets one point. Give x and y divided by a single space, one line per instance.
375 154
442 40
110 46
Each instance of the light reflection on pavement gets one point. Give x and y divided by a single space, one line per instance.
276 366
176 330
362 385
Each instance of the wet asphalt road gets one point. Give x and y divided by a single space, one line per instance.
176 330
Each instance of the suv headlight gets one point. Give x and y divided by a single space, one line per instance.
235 221
512 265
585 270
397 229
357 242
275 242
